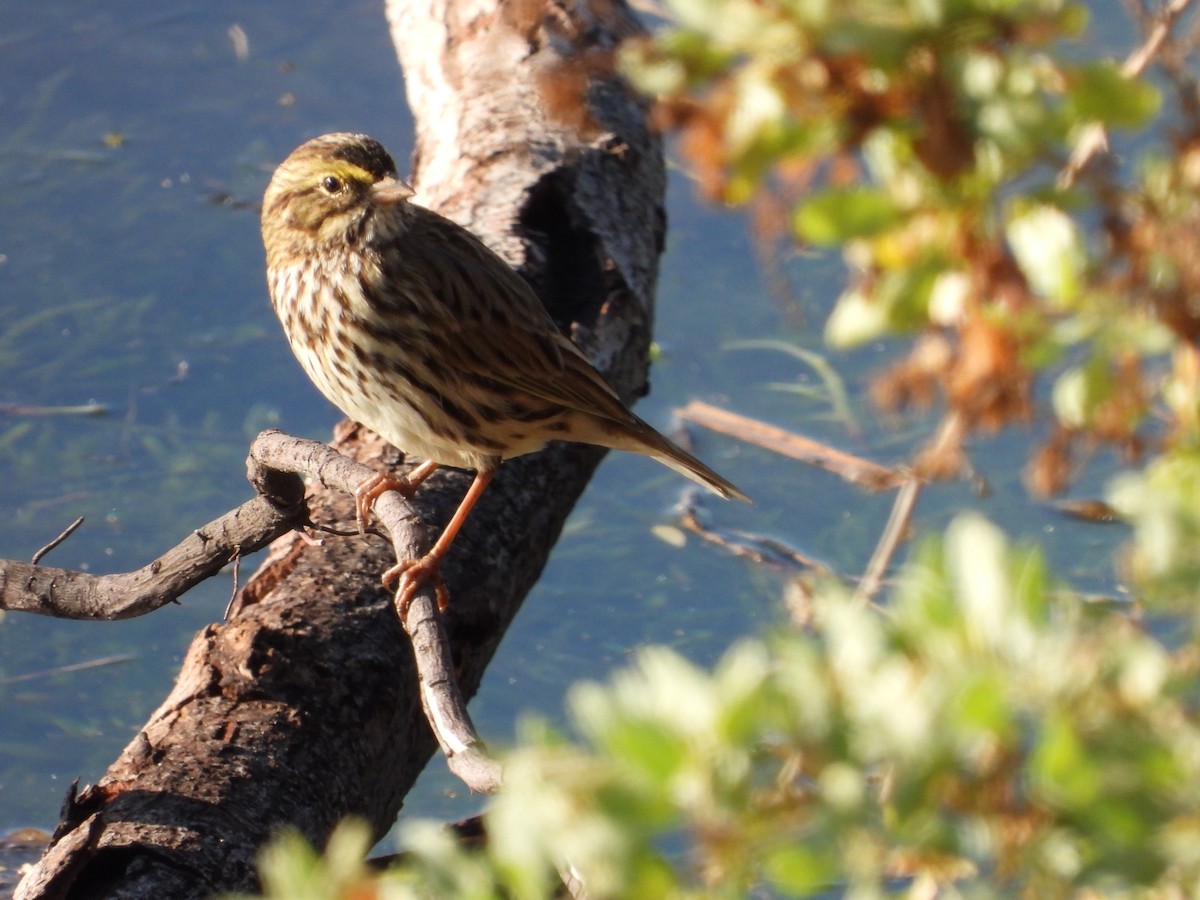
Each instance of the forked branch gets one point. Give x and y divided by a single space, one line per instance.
67 594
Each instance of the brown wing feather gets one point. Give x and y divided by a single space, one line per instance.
510 347
514 342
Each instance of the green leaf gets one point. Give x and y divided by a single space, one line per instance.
982 704
1064 772
1100 93
654 750
796 870
839 214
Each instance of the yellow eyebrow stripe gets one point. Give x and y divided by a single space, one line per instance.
349 171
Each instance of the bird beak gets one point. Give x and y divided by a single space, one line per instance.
390 191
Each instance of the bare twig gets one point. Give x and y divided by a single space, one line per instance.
237 567
441 697
755 547
73 667
1140 58
66 594
66 533
852 468
85 409
893 533
1093 140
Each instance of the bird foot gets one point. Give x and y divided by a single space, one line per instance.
371 489
413 574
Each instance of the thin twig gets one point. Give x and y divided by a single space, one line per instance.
852 468
893 533
1093 140
73 667
441 697
1140 58
84 409
746 545
67 594
66 533
237 567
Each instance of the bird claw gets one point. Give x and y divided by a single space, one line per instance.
372 489
410 576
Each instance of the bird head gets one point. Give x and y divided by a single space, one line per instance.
328 190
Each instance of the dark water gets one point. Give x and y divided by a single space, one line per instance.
123 282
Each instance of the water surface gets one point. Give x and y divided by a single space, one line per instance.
123 283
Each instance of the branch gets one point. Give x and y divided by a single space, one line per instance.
445 709
66 594
1093 140
276 460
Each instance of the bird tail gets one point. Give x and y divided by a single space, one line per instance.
658 447
690 467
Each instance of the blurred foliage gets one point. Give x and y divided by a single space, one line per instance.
954 152
988 733
929 139
989 736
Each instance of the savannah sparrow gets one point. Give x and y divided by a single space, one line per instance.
414 328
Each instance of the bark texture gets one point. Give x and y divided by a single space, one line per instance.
305 707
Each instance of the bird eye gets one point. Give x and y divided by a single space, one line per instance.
331 183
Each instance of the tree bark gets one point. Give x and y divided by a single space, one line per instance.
304 707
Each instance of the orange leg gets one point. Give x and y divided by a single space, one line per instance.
414 573
380 483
